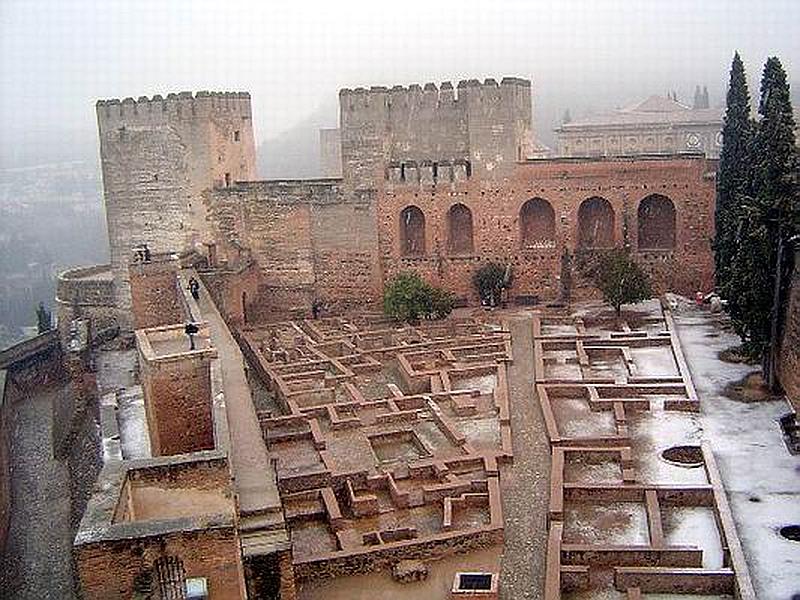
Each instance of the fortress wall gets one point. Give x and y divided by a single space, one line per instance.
308 242
345 240
488 124
85 293
157 156
565 184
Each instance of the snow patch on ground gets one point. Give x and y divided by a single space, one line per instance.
761 478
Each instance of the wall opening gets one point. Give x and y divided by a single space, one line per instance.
412 231
236 136
459 229
656 219
227 180
595 224
171 578
537 223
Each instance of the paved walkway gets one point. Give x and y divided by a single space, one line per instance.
254 477
37 564
526 484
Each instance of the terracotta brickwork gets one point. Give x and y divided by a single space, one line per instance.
434 179
501 230
147 515
154 294
109 571
177 389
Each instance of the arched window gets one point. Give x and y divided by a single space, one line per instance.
459 229
537 223
412 231
656 218
595 224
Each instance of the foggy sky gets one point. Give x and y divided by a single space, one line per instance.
57 57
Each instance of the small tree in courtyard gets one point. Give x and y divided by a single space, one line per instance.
490 280
44 320
409 298
621 279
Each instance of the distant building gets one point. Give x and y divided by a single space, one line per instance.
659 125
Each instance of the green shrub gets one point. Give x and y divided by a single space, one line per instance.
621 279
409 298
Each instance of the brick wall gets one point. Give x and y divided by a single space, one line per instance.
178 400
565 184
109 570
154 293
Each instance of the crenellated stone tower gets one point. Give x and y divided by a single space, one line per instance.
481 128
157 156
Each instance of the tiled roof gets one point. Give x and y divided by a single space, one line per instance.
656 110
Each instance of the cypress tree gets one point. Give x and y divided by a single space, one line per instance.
733 173
768 217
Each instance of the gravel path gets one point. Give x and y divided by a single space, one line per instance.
38 559
526 484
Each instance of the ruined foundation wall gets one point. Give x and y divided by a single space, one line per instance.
157 156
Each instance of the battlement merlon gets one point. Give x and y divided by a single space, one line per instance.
183 106
429 93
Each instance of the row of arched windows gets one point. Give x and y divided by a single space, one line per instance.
537 225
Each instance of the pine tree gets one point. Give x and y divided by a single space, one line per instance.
769 217
733 173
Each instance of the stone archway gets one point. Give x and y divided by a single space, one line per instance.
537 223
656 223
595 224
412 231
459 229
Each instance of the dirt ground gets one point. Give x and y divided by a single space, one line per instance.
526 484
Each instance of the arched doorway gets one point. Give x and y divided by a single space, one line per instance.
537 223
412 231
656 223
459 229
595 224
